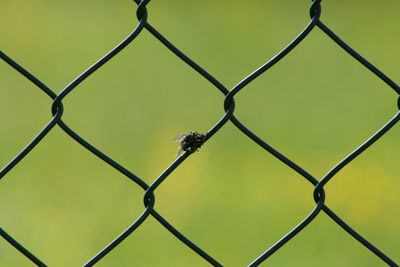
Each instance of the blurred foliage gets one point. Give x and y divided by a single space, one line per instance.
232 199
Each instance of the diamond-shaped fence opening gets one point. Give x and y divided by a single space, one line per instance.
189 143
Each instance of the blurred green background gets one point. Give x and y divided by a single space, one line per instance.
232 199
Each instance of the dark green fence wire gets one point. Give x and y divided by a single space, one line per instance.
229 105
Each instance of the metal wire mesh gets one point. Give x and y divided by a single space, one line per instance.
229 105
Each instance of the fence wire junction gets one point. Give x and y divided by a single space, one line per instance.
229 106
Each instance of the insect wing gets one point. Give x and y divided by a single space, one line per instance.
179 151
180 138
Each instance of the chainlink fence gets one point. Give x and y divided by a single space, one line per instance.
229 106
